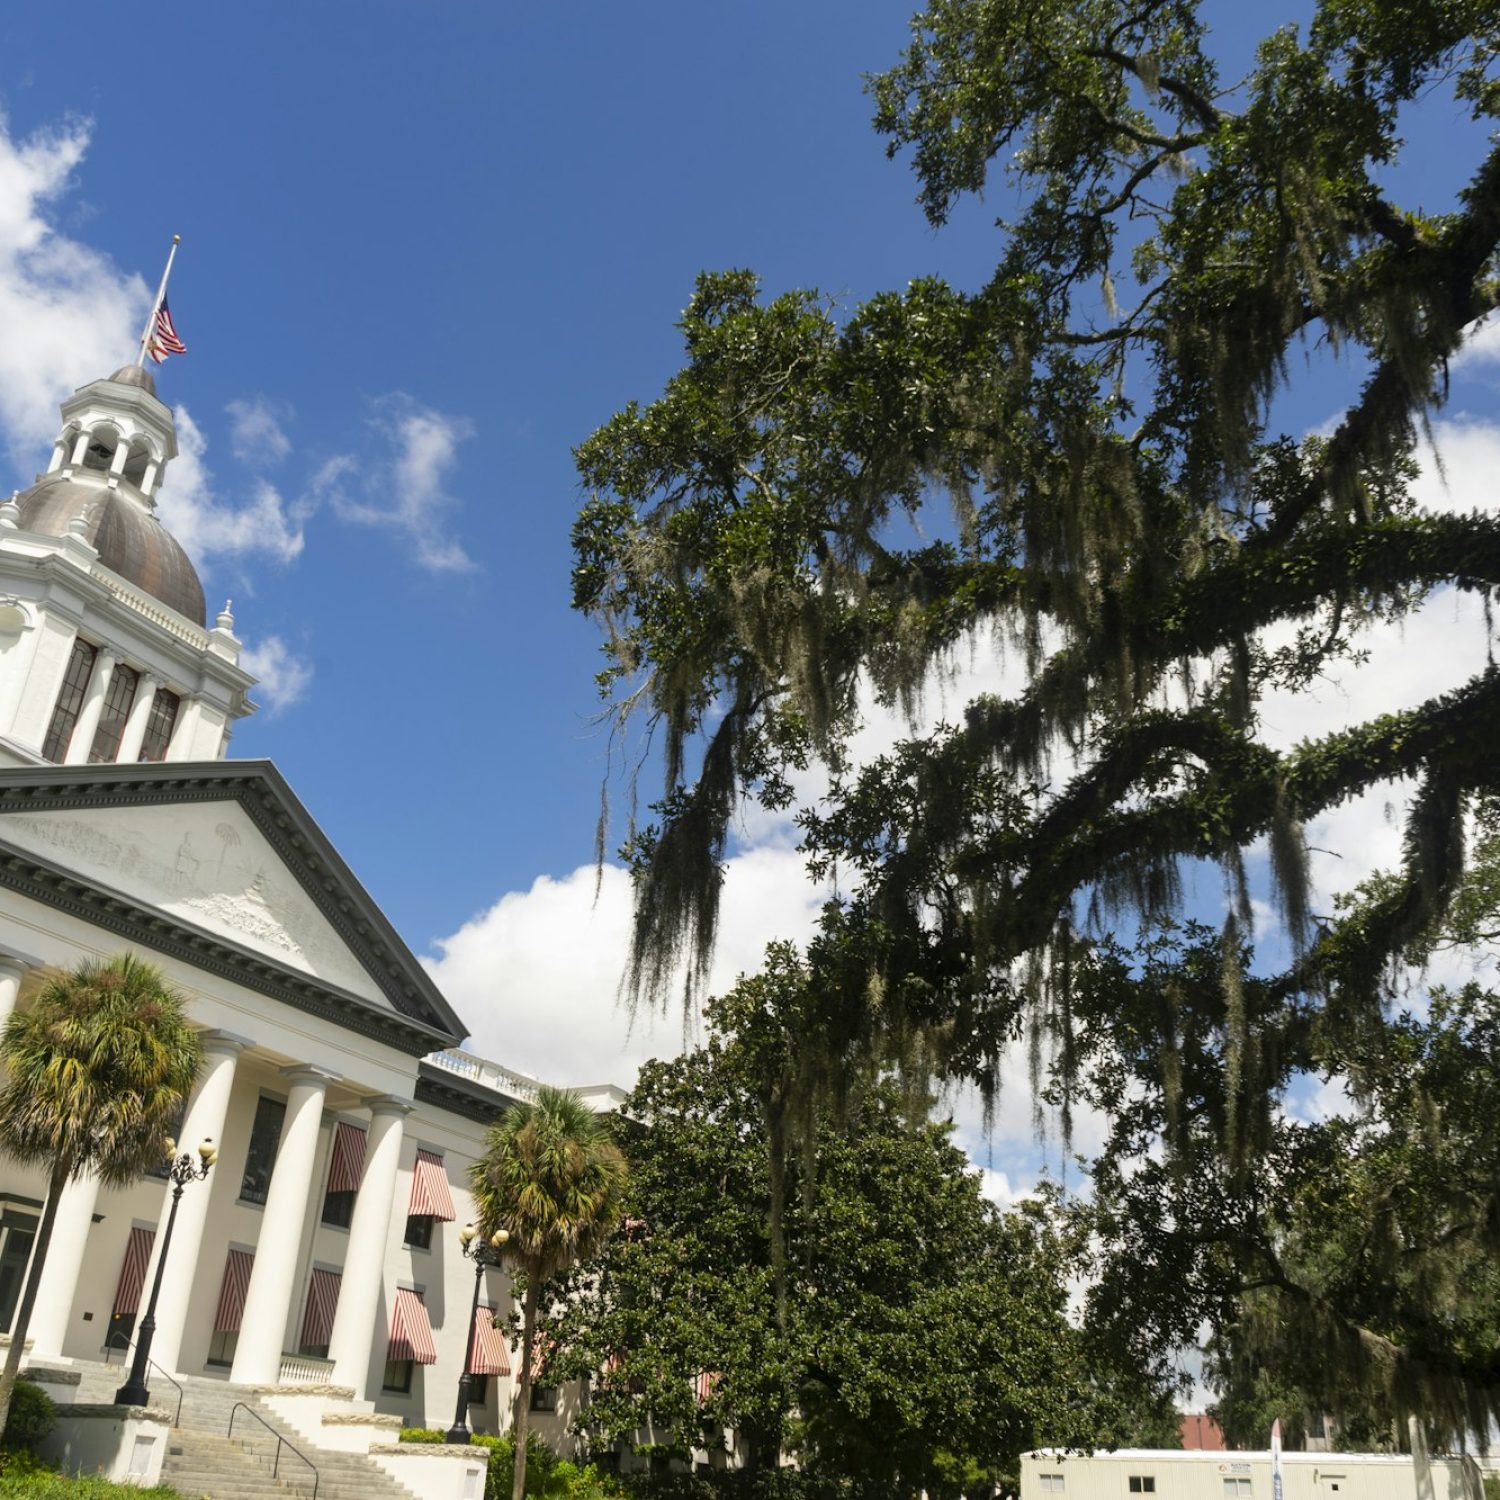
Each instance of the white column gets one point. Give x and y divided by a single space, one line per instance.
149 478
354 1328
59 452
117 460
135 725
184 730
257 1355
80 451
205 1117
88 717
12 972
59 1285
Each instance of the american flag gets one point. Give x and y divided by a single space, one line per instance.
163 340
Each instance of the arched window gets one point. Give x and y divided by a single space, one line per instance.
103 441
69 700
118 697
159 725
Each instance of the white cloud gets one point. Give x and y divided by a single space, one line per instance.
255 430
69 314
407 493
284 676
1481 344
206 526
537 975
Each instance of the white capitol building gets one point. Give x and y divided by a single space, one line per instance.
322 1252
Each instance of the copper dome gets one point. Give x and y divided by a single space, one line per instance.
130 541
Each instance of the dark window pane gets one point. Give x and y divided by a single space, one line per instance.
118 697
69 701
338 1208
265 1136
160 723
419 1232
544 1398
479 1389
397 1375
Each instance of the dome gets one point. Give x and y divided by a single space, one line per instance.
135 375
129 540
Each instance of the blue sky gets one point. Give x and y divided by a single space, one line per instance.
426 250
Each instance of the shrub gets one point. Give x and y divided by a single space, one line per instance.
31 1417
422 1435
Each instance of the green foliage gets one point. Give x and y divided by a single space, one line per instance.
918 1332
98 1069
24 1475
551 1179
422 1435
1087 449
30 1418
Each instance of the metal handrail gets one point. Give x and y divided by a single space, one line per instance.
281 1443
109 1344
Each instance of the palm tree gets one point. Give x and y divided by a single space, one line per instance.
553 1180
96 1073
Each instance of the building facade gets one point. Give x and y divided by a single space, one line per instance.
323 1248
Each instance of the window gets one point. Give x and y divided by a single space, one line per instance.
1052 1484
418 1234
338 1208
397 1376
1236 1489
118 697
265 1136
1143 1484
160 723
1317 1426
479 1389
69 700
544 1398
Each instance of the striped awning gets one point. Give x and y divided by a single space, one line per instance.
232 1293
133 1272
347 1160
411 1333
322 1303
705 1383
430 1197
541 1351
487 1352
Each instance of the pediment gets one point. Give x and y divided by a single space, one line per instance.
207 865
220 863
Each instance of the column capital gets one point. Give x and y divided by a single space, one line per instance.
307 1073
16 965
388 1104
227 1043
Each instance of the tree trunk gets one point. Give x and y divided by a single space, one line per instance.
59 1180
522 1422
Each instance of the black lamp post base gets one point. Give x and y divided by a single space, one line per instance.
456 1435
133 1393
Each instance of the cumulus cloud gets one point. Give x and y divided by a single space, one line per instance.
1481 344
284 676
70 315
256 431
537 975
206 525
408 493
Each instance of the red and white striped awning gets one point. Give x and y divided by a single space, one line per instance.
705 1383
347 1160
232 1293
322 1303
487 1352
430 1197
541 1350
133 1272
411 1333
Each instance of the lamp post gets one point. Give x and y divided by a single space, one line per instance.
182 1171
484 1254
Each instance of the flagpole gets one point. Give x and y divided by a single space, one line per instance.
161 292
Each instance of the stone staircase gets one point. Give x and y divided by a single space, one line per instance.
204 1463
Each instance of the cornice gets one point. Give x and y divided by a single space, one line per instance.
270 804
459 1096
